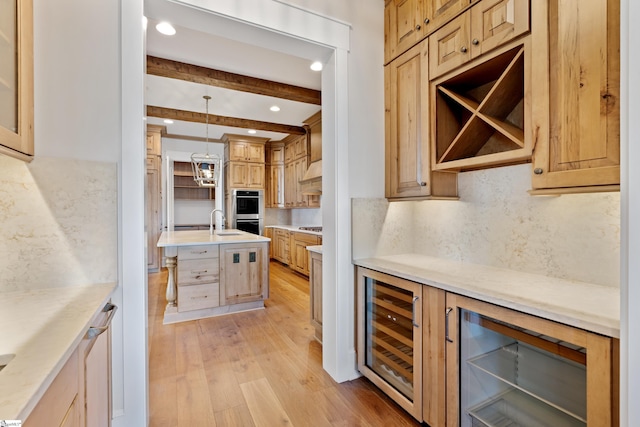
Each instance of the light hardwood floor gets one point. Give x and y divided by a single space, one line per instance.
258 368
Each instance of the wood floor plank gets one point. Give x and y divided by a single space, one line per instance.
234 417
204 372
265 408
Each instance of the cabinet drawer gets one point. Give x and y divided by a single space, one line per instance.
196 297
194 271
197 252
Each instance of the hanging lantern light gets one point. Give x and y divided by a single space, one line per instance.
206 167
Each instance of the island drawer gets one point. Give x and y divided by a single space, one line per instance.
196 297
197 252
195 271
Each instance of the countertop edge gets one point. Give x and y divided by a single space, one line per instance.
202 237
578 316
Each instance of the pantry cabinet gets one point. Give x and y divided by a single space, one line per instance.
578 115
275 176
408 172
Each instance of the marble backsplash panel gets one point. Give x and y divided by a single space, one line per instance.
496 222
58 223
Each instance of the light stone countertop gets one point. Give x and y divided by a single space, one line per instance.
42 328
317 249
595 308
295 228
202 237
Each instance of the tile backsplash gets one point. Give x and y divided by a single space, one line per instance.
58 223
496 222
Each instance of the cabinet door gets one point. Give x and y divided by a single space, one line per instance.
510 367
407 125
389 336
579 118
16 79
450 46
153 212
300 167
237 174
238 150
255 175
276 186
97 383
244 271
440 11
255 153
403 22
315 292
495 22
289 185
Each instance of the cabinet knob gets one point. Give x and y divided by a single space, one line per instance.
475 42
538 171
426 20
463 49
418 27
423 184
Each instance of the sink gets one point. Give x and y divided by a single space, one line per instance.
227 233
5 359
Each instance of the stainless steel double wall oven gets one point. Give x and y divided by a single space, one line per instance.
247 210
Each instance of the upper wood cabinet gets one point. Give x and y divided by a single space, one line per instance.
244 158
406 22
487 25
407 170
577 73
16 79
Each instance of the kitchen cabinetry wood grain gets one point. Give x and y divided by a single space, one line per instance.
296 163
16 79
244 273
315 293
281 240
577 69
153 200
244 158
274 194
198 277
409 21
408 172
299 258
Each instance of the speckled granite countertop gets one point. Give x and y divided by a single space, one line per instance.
583 305
41 328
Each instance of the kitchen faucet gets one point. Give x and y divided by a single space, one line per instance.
211 220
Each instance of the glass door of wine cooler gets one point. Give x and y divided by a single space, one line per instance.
389 351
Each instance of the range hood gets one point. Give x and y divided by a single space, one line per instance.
311 183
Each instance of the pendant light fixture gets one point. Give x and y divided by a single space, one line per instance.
206 167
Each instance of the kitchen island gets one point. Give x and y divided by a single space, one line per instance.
214 274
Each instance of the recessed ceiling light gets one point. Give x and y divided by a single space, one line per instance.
251 131
166 28
316 66
274 108
169 122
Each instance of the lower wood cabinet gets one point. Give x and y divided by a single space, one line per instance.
198 277
244 272
280 242
299 258
80 395
315 293
454 361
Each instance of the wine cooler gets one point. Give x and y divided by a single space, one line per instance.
511 375
390 337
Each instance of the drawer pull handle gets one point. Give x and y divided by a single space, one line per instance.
198 252
200 297
199 271
446 324
94 331
413 311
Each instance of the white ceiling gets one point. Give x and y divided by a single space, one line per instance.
198 41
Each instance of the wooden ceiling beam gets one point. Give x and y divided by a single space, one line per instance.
208 76
195 117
